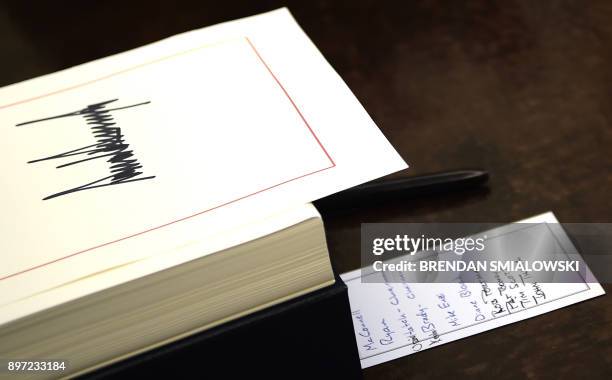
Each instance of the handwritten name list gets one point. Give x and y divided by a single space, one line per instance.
392 320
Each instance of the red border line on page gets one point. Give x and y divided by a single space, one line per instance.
319 143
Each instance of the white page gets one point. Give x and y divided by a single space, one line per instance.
399 319
240 119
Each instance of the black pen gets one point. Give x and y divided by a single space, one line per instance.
408 187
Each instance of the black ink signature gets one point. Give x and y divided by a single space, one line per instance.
110 143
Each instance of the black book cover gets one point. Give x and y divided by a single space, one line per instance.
308 337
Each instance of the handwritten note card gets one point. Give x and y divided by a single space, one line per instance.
392 320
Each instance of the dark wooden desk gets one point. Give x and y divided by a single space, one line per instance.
521 88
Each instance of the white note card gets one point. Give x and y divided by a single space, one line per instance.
392 320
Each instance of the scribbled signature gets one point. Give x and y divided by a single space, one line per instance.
110 144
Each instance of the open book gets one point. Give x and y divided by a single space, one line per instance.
165 190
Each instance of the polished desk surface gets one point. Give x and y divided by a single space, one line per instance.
521 88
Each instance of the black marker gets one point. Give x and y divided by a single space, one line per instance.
408 187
